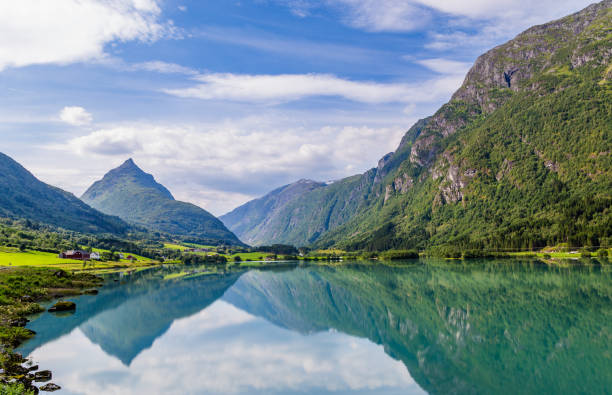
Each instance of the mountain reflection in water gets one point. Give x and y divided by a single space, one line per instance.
494 327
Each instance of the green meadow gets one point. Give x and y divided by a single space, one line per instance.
13 257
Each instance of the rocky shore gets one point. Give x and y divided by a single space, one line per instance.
21 290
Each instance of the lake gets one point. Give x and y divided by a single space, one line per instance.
494 327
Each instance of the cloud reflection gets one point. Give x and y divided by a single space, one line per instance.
225 350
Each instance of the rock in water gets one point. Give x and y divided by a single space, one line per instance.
63 306
21 322
50 387
43 375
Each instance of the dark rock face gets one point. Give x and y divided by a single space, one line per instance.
43 375
63 306
19 322
506 67
51 387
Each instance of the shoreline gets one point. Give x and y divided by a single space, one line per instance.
22 289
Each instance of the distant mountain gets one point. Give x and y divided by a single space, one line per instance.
24 196
136 197
519 157
251 221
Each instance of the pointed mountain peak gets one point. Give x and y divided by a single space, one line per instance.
129 165
127 176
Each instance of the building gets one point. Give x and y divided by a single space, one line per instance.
75 254
94 255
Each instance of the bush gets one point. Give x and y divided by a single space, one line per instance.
472 254
602 253
399 254
585 254
14 389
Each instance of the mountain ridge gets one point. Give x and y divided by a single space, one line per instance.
23 196
134 195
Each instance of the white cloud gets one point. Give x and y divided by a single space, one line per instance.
157 66
163 67
520 9
405 15
384 15
289 87
311 50
445 66
300 8
182 8
65 31
484 22
75 115
221 166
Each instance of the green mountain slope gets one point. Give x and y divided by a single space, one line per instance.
250 221
136 197
519 157
24 196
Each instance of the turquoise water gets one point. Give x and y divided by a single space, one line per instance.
494 327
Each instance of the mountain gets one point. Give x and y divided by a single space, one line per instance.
251 220
136 197
518 158
24 196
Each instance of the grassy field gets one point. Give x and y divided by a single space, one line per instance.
172 246
253 256
14 257
138 257
550 253
194 245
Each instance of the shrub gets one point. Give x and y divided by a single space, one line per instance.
399 254
14 389
602 253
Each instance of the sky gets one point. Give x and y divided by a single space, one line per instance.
225 100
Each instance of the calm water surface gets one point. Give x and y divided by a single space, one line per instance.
494 327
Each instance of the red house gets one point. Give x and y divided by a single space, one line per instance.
75 254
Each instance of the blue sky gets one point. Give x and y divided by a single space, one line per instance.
226 100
